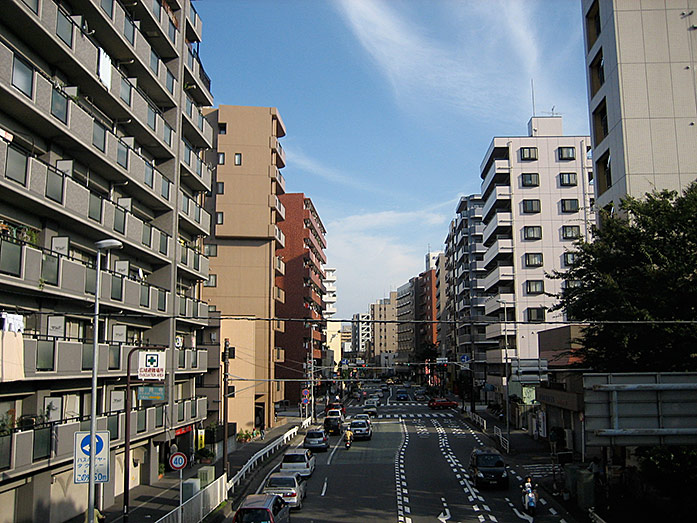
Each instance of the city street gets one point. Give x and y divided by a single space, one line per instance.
414 469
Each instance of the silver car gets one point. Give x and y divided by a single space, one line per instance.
298 460
361 429
316 439
291 487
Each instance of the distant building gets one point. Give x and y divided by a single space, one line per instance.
384 332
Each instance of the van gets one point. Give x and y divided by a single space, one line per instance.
263 508
486 467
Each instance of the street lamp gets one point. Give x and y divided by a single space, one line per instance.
505 348
103 245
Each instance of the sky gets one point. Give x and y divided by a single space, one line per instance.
390 107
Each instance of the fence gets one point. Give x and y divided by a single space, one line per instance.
502 441
594 517
478 420
207 499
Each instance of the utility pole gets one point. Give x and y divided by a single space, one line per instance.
226 378
312 384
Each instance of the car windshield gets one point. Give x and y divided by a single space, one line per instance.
294 458
336 413
315 434
253 515
401 392
280 482
359 425
489 460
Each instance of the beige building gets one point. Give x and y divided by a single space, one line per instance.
384 333
242 249
640 59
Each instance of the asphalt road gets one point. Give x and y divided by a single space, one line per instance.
414 470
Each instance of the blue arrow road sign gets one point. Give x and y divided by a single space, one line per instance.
83 452
464 358
85 444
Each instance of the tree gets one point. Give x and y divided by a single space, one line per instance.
635 284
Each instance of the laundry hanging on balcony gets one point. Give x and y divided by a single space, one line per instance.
11 322
11 347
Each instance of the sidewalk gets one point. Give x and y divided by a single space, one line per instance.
151 502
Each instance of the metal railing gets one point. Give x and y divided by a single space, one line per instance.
502 441
209 498
478 420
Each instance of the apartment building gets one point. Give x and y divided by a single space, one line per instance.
384 334
101 137
332 329
640 60
303 286
537 193
406 327
244 201
361 335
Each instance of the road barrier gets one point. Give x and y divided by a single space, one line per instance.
478 420
502 441
209 498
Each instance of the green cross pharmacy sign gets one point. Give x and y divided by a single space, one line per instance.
151 365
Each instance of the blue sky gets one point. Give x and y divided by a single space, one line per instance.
390 107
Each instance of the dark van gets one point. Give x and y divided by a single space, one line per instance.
333 425
486 467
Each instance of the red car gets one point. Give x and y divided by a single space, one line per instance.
337 406
442 403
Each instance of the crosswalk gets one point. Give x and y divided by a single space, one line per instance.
417 415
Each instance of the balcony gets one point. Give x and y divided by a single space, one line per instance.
194 171
279 294
194 25
190 360
196 81
492 305
500 198
279 265
275 175
197 221
196 129
501 223
502 246
191 310
275 203
500 170
192 262
498 275
277 233
277 149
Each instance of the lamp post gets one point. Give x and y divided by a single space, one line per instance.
103 245
505 348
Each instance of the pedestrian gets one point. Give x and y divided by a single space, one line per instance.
262 429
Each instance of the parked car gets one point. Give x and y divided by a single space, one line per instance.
262 508
335 405
442 403
487 467
333 425
316 439
301 461
291 487
361 429
402 395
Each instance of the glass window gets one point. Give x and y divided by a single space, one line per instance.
159 416
569 258
218 218
149 174
528 153
145 295
197 213
567 179
54 186
163 243
532 232
167 134
210 250
120 220
99 136
112 423
152 118
49 269
23 76
108 6
531 206
16 168
129 30
10 258
64 28
161 299
90 281
32 4
570 205
212 281
146 235
95 210
531 179
570 232
122 154
59 105
533 259
116 287
219 187
222 128
45 355
170 82
221 158
154 62
165 188
238 158
126 91
187 153
172 31
567 153
156 7
535 286
536 314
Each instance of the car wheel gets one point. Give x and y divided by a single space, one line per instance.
300 504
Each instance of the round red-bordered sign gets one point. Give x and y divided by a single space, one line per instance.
177 460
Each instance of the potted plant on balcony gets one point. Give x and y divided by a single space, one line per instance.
204 455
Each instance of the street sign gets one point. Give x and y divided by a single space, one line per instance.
81 457
306 392
151 393
151 365
464 358
305 400
177 460
441 360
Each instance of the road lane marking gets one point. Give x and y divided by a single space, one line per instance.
324 487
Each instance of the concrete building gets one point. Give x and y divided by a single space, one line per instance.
643 104
345 334
245 203
406 329
302 284
332 329
361 337
98 140
384 332
537 195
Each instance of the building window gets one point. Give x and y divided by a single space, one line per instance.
170 82
129 29
95 207
212 281
528 153
152 118
164 240
569 258
570 205
16 168
603 168
592 25
99 136
126 91
120 220
108 7
533 259
167 134
567 179
536 314
154 62
531 206
146 234
535 286
33 5
597 73
222 128
532 232
530 179
64 28
570 232
210 250
221 158
165 188
122 154
219 187
238 158
149 174
23 76
172 32
600 125
218 218
59 105
567 153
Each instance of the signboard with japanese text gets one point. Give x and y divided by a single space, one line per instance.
81 457
151 365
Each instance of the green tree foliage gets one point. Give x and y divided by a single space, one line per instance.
641 266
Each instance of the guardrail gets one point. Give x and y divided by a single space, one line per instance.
209 498
594 517
478 420
502 441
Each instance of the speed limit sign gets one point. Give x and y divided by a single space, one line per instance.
177 460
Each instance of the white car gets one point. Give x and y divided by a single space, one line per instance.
301 461
364 417
361 429
371 407
291 487
334 413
